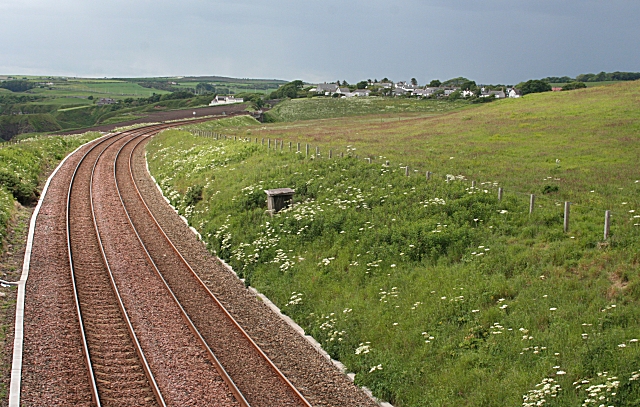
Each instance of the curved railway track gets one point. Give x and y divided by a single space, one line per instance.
254 379
117 367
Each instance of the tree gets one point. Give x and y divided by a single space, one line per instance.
469 85
17 86
414 81
574 85
455 81
435 83
533 86
345 83
361 85
288 90
385 79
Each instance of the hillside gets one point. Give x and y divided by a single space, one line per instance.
436 293
325 108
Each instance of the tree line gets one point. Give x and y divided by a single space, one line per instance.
593 77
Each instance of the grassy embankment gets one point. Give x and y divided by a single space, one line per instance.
22 167
434 293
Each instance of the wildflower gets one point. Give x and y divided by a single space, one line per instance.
374 368
552 309
622 345
561 372
363 348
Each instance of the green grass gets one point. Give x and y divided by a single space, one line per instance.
590 84
325 108
368 250
22 167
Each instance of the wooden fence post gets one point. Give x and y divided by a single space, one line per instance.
500 194
428 175
567 205
263 141
532 202
406 171
473 184
298 147
290 148
330 154
342 154
307 152
607 224
368 160
317 151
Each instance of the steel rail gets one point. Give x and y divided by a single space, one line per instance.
134 337
280 375
85 348
211 356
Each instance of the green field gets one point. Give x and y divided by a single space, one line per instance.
435 293
329 108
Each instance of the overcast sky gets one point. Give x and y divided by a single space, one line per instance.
489 41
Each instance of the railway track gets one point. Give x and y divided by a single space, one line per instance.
257 379
117 366
152 332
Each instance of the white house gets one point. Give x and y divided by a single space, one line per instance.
225 100
326 89
361 92
514 93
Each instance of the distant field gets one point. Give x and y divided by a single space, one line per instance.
322 108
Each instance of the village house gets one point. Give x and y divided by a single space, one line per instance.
514 93
498 94
106 101
225 100
361 92
326 89
344 92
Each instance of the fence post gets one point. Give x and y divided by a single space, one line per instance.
317 151
368 160
263 141
269 143
387 163
342 154
290 147
607 224
473 184
532 202
330 154
281 145
500 194
428 175
566 216
298 147
406 171
307 151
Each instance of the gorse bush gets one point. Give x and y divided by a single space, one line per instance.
432 292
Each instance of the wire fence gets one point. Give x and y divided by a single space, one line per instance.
568 210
